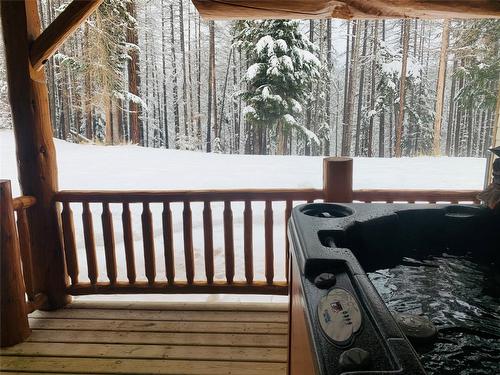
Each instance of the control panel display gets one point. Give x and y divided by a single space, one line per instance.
339 316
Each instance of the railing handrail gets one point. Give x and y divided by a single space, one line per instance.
23 202
275 194
415 195
158 196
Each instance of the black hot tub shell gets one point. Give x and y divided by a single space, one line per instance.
348 240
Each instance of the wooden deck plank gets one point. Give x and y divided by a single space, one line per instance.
129 351
139 366
158 326
165 315
180 306
153 338
115 337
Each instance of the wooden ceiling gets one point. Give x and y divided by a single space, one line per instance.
347 9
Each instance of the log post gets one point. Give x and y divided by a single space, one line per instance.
36 158
337 179
13 318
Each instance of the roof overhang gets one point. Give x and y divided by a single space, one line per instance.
348 9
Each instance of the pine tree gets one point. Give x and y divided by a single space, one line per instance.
282 68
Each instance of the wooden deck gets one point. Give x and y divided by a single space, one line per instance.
153 338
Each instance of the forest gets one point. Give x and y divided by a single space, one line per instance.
152 73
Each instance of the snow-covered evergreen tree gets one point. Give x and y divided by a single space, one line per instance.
282 68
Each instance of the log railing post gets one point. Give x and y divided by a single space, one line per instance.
37 166
337 179
14 321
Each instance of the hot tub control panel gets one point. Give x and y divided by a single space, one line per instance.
339 316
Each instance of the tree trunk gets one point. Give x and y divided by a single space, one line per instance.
164 70
198 82
381 131
210 85
443 60
329 67
184 70
361 91
133 76
451 110
175 95
372 93
402 88
307 149
347 126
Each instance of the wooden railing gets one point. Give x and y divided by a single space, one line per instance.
192 283
35 299
169 282
19 294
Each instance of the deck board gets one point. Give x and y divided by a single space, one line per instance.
162 338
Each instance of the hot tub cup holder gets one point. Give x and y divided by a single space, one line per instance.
327 211
462 212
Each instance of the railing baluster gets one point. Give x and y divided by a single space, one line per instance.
188 242
69 242
109 242
268 232
148 241
88 235
128 242
209 241
168 242
288 213
25 247
228 241
248 241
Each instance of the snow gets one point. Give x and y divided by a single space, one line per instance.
87 167
265 42
306 56
252 71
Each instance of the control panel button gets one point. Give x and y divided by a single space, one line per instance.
339 316
355 359
325 280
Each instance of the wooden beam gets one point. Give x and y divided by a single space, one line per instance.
36 157
59 30
346 9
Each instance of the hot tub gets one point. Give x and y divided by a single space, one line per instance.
345 257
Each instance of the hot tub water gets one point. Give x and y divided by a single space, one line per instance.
462 298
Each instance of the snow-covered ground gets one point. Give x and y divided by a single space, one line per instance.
130 167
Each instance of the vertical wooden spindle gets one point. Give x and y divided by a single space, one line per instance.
69 242
88 235
109 242
148 241
13 317
209 242
128 242
25 247
188 242
168 242
228 241
288 213
268 233
248 241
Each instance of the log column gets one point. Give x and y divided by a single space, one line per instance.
36 157
13 316
337 179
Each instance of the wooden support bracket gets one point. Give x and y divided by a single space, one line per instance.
60 29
